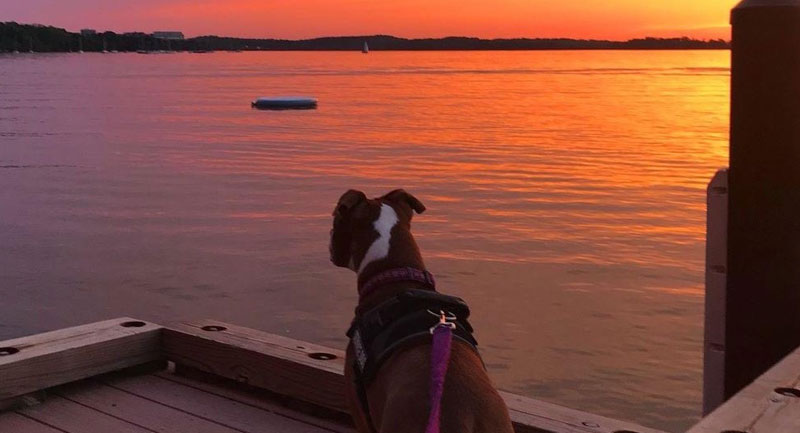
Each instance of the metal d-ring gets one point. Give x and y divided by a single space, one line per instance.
446 318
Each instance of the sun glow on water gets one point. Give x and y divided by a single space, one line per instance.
565 195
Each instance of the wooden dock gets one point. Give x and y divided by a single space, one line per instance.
126 375
156 402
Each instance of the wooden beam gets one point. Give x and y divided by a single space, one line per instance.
770 404
42 361
263 360
716 282
314 373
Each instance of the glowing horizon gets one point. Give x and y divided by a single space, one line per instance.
591 19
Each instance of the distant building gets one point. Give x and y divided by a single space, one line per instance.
88 32
168 35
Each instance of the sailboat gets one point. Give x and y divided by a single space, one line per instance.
365 50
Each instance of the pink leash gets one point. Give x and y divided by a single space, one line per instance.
440 357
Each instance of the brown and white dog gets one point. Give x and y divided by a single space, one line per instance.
370 236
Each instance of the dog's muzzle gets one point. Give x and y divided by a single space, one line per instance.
339 248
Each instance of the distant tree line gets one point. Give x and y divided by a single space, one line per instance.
383 42
38 38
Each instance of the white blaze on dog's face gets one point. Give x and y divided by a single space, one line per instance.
379 249
362 228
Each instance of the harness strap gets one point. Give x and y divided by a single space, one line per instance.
440 357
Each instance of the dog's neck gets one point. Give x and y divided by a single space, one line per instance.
386 292
395 247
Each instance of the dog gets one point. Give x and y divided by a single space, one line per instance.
372 237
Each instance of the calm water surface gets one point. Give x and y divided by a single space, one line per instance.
565 195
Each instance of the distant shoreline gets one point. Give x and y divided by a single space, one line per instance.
38 38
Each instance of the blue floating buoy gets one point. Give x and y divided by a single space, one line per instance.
285 103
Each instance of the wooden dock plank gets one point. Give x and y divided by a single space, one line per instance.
45 360
759 408
231 413
15 423
140 411
285 366
253 397
531 415
71 417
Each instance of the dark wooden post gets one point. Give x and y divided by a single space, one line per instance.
762 309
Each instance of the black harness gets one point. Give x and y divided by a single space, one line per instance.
404 320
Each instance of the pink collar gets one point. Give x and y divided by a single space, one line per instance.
397 275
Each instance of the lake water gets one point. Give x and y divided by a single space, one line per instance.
565 195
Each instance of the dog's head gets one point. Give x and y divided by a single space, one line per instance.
357 221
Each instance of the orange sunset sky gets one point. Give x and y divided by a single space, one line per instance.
292 19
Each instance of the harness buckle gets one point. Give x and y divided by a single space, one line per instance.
446 318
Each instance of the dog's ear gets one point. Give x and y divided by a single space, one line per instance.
401 196
348 201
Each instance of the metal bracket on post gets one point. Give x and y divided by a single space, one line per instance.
716 281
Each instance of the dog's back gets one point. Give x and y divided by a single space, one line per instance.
470 402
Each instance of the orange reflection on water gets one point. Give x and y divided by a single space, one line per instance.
608 149
565 195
